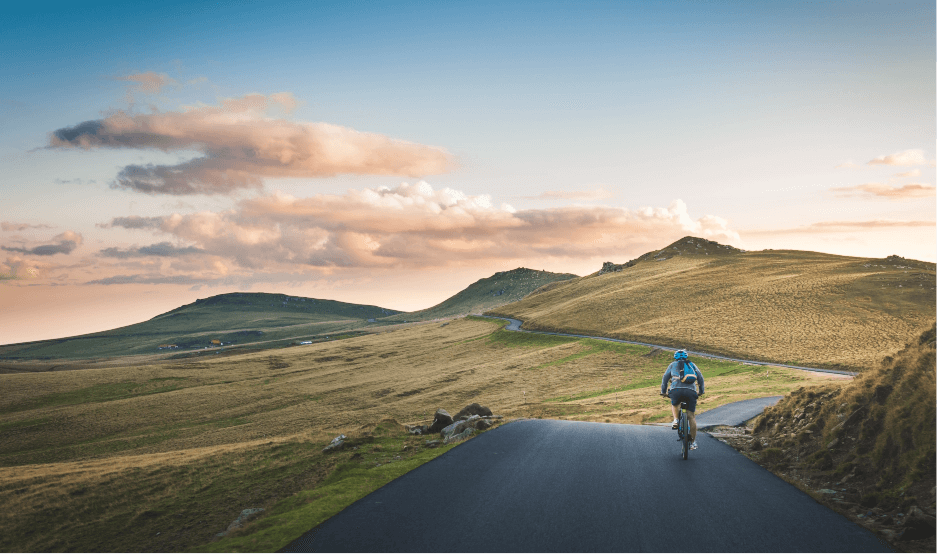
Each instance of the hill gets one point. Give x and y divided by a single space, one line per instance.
236 318
501 288
788 306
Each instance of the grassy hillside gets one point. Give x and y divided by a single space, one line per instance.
236 318
107 458
869 445
784 306
501 288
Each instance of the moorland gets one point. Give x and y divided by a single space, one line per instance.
160 452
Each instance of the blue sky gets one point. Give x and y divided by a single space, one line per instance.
761 116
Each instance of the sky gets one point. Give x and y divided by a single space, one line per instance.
394 153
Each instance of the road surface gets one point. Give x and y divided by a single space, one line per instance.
547 485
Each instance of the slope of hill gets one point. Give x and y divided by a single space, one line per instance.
234 318
501 288
788 306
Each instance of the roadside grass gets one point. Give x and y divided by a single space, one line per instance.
246 430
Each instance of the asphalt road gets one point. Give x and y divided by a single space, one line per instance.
547 485
735 413
515 325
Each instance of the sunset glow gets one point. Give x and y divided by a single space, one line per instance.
392 154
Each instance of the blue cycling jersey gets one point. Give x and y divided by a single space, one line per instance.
672 375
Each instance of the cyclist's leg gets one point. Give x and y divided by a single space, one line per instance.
692 417
674 404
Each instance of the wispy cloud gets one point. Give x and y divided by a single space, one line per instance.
416 226
9 226
882 190
63 243
912 173
241 145
906 158
823 227
161 249
149 82
585 195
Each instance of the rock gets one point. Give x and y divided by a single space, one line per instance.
470 410
337 444
433 443
246 515
827 491
917 525
459 426
417 429
756 445
460 436
833 443
482 424
440 420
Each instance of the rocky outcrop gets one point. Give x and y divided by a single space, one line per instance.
470 410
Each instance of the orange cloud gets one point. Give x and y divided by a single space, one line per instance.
912 173
416 226
9 226
908 157
241 146
881 190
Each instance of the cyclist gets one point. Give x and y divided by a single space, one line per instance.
681 391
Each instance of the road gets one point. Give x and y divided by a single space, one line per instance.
547 485
515 325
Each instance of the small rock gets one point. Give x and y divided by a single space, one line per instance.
433 443
472 409
833 443
337 444
827 491
246 515
482 424
441 420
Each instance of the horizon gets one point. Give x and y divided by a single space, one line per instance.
393 154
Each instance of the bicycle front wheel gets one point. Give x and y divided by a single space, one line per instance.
685 427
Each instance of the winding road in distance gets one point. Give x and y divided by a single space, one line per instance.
571 486
515 325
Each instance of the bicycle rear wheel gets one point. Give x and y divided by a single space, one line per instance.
685 434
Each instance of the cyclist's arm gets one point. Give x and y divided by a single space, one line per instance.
702 385
665 381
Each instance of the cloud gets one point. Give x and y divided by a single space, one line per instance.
597 194
140 279
881 190
133 222
9 226
149 82
64 243
241 145
843 226
416 226
908 157
162 249
912 173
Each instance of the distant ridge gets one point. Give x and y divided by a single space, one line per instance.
787 306
501 288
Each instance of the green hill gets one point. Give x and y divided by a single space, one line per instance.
239 318
501 288
787 306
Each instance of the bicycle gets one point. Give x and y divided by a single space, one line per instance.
683 430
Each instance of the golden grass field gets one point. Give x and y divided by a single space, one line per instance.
124 439
800 308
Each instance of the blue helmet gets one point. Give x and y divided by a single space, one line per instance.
680 355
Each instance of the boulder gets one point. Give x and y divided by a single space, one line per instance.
433 443
337 444
917 525
460 436
440 420
459 426
470 410
482 424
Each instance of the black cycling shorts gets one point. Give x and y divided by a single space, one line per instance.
679 395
